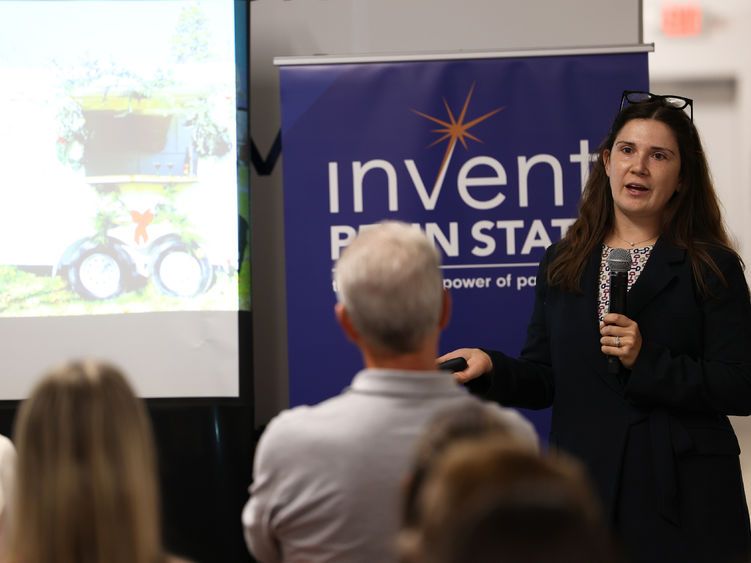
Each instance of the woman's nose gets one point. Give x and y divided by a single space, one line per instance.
640 166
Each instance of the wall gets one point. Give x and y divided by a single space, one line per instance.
351 27
713 69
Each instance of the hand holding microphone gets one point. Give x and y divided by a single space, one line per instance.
620 336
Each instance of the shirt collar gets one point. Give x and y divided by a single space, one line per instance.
391 381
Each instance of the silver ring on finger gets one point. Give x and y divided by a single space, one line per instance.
617 341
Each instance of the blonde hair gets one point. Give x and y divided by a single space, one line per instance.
87 484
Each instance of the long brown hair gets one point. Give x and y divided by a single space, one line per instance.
692 218
87 487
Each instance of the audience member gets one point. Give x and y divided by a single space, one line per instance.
86 489
7 480
488 499
447 427
327 478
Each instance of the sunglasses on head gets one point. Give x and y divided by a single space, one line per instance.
668 100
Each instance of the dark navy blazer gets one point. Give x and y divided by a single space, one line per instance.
656 439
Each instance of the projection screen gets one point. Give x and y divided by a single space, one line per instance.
119 188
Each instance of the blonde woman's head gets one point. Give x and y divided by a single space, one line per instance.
87 484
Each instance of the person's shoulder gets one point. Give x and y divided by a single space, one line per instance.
304 415
6 444
708 253
723 256
550 254
300 424
288 420
722 259
279 438
7 449
552 251
519 425
720 272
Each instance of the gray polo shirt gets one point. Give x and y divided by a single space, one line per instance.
327 478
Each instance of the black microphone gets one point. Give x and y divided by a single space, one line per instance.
619 262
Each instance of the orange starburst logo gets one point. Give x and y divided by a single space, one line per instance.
454 130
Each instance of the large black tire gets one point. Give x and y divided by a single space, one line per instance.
180 271
97 274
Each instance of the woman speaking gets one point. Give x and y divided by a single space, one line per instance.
654 431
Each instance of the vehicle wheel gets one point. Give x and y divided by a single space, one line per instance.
97 274
181 272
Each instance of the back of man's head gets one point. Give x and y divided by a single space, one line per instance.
389 281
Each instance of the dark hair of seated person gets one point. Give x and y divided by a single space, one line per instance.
447 427
488 499
536 524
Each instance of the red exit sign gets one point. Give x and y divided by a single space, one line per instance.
681 19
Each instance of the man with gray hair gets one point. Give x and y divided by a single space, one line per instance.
327 478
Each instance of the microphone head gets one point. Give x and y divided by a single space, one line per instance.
619 260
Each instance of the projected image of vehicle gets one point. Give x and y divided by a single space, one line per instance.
120 180
140 156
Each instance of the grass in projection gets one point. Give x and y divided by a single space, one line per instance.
120 144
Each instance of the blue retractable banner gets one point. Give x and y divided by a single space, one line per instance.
487 155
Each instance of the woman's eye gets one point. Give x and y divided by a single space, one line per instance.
626 150
659 156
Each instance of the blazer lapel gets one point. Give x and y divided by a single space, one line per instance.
661 269
591 289
663 266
